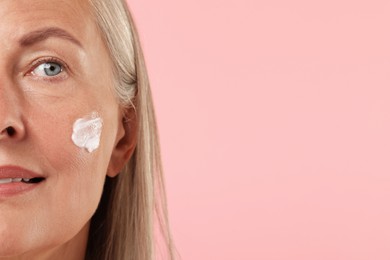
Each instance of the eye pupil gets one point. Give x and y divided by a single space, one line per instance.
52 69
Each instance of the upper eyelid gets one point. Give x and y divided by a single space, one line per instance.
47 60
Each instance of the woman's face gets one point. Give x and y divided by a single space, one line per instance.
54 70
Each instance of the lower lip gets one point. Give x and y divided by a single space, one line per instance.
16 188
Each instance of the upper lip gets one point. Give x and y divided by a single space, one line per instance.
11 171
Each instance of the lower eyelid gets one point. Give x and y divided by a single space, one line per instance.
51 79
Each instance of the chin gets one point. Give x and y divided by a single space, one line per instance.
17 241
11 244
10 247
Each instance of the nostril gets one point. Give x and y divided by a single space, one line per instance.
10 131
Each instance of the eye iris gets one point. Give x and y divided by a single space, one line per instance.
52 69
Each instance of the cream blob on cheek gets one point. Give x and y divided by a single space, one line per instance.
87 131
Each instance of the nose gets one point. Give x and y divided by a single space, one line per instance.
11 132
11 123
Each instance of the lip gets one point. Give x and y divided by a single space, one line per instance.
11 171
15 188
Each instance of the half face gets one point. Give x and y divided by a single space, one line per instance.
54 71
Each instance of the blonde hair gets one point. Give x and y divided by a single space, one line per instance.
124 226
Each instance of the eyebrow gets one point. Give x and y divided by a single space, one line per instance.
45 33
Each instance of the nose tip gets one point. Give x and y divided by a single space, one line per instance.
12 132
12 120
12 124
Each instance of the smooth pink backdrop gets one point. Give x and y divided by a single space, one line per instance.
274 119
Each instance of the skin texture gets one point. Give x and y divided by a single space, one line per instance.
52 221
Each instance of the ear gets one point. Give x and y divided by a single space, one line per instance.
125 143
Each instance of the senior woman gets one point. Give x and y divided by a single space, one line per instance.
80 174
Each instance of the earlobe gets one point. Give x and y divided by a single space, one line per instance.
125 144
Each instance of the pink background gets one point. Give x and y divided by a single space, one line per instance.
275 122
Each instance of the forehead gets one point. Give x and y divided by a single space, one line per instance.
20 16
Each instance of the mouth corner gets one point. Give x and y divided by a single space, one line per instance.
33 180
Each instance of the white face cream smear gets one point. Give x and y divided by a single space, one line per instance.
86 132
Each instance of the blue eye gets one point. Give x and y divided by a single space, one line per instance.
50 69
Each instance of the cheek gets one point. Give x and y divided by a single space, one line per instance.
52 142
76 176
72 190
87 132
62 149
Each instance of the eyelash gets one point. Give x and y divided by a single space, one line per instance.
35 64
